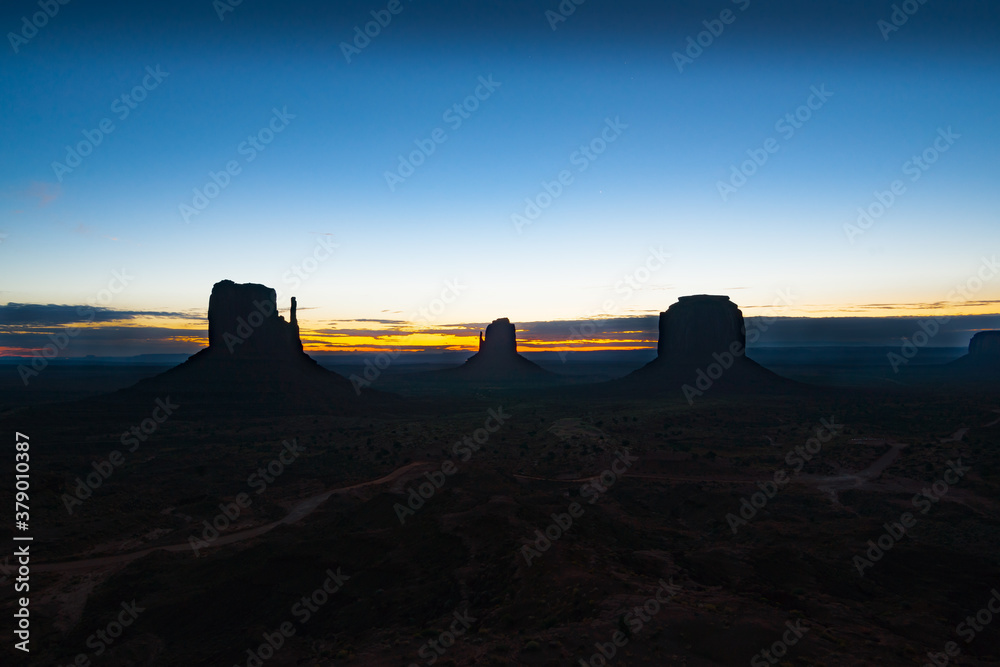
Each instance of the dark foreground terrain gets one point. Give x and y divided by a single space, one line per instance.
856 526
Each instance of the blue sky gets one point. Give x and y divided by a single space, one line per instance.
654 189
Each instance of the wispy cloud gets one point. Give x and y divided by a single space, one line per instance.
45 193
932 305
376 321
34 314
112 341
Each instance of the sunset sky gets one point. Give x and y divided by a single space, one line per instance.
315 203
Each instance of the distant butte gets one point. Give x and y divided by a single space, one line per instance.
702 348
254 358
980 365
243 321
696 327
985 347
497 357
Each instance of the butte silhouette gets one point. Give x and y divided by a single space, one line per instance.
702 349
254 358
984 351
497 358
982 363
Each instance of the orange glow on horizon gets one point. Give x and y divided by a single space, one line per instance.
373 337
19 351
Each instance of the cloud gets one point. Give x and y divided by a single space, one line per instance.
111 341
84 230
33 314
374 321
635 327
44 192
869 331
930 305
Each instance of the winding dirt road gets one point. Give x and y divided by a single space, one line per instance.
299 511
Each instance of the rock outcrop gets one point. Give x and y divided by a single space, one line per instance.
254 361
243 321
497 357
978 369
985 347
696 327
702 348
500 340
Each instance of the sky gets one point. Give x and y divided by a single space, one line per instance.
552 163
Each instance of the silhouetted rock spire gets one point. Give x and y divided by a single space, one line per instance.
499 341
243 321
497 356
254 359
